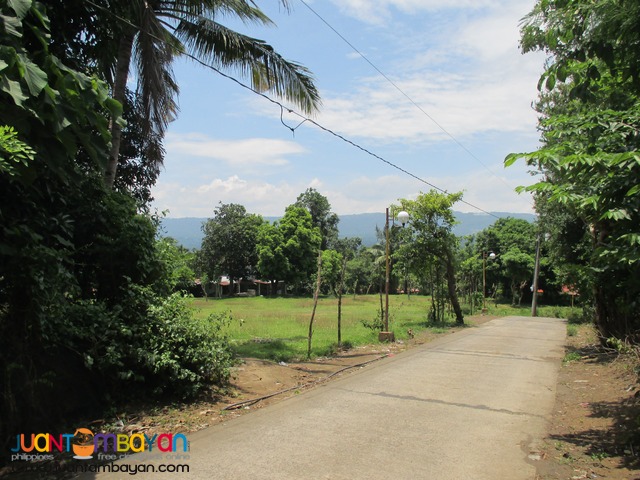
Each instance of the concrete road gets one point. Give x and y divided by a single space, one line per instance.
472 405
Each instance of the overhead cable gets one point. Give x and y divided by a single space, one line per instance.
303 118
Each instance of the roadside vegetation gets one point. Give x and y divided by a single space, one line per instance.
276 328
93 308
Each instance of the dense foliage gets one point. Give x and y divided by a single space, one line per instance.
588 193
85 316
229 246
431 251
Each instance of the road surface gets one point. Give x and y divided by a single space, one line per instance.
471 405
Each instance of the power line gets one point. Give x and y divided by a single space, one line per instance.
411 100
303 118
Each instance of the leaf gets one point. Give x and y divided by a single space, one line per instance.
21 7
551 82
36 79
14 89
633 191
562 73
511 159
619 214
12 25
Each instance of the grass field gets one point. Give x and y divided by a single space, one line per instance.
277 328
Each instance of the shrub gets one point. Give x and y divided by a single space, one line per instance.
185 355
376 324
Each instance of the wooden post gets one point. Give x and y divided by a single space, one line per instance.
536 273
315 302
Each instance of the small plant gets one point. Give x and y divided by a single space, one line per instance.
619 345
599 456
572 330
347 345
377 324
571 357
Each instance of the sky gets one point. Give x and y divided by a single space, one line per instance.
456 100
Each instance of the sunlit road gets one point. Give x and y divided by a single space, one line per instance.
471 405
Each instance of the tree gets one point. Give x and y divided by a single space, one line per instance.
331 271
362 272
321 215
432 221
288 249
82 316
301 243
138 168
158 32
273 263
177 260
589 160
346 248
513 241
229 245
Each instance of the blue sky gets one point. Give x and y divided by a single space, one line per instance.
457 59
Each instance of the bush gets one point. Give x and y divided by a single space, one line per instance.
186 355
83 322
153 345
376 324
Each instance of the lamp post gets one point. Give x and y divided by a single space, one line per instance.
536 275
403 218
484 280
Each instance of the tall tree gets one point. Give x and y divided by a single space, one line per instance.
155 32
589 161
273 263
513 241
288 249
301 243
432 221
229 245
321 215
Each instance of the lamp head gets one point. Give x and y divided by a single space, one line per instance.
403 217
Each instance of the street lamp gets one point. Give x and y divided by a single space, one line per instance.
484 279
536 274
403 218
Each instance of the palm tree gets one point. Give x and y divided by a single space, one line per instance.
152 33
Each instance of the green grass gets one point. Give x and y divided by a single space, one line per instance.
277 328
571 357
504 309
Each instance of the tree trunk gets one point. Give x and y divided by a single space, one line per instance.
315 302
451 285
514 293
119 88
523 285
340 288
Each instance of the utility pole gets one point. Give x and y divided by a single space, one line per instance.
536 273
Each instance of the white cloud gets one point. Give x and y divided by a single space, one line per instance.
463 105
376 11
361 194
246 153
469 80
257 196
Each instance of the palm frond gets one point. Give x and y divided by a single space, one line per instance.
154 52
220 46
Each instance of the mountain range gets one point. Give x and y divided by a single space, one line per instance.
188 230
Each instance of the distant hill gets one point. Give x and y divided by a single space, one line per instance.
188 230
